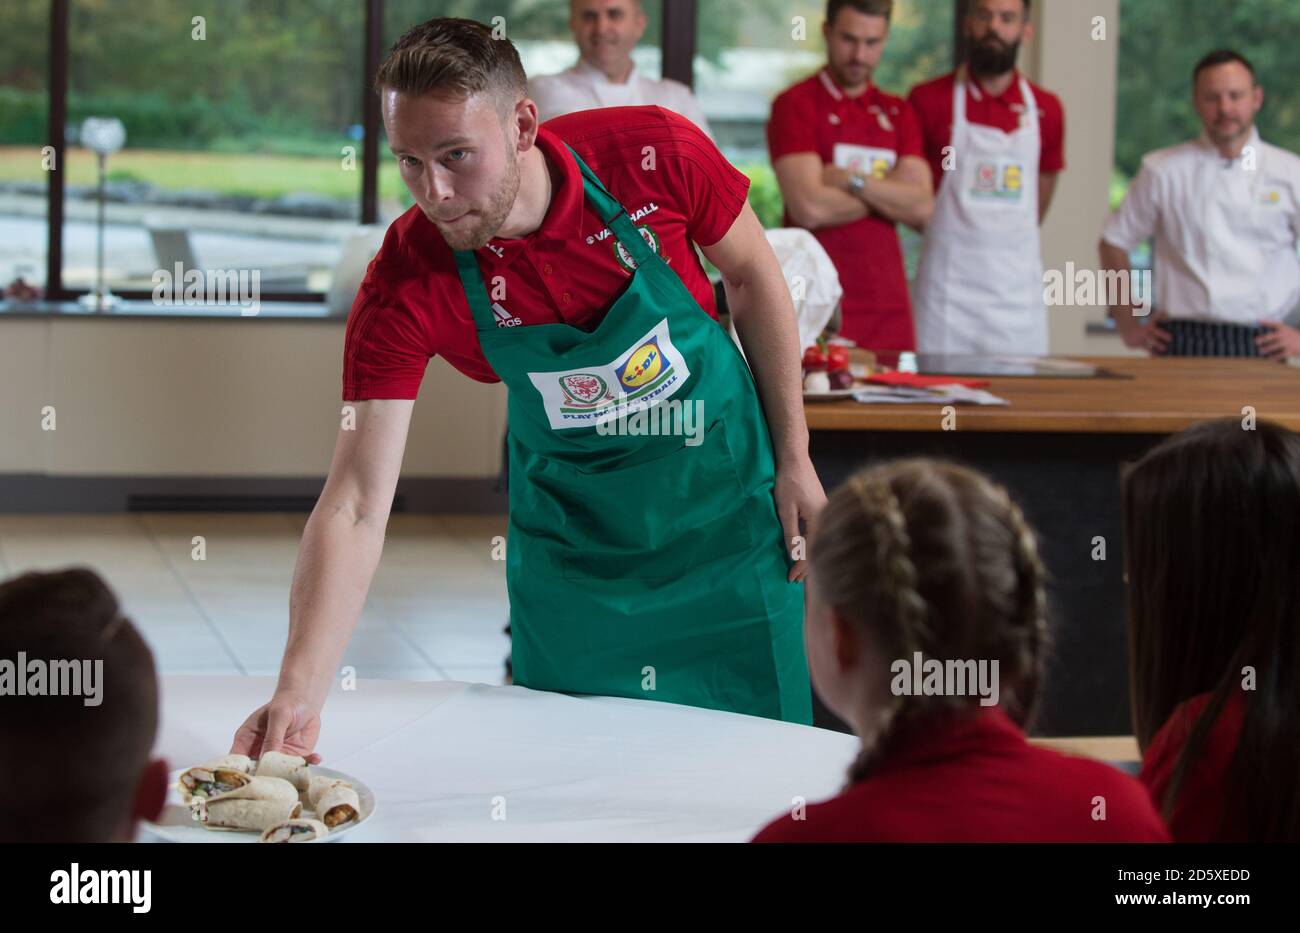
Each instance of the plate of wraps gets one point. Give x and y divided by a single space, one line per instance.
277 798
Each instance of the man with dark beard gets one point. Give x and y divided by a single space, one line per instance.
995 144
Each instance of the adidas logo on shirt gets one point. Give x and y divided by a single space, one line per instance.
504 317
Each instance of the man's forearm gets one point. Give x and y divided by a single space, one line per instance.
900 201
1114 259
336 562
829 207
765 322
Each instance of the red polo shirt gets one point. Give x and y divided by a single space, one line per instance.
1206 808
974 778
932 102
873 131
664 171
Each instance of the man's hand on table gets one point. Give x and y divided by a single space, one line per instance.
1278 340
289 724
799 495
1149 336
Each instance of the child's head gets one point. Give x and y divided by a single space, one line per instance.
1211 549
77 743
921 556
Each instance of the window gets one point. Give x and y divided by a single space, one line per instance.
540 31
1160 43
24 70
242 152
748 54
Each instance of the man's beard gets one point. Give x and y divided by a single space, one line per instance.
840 74
1226 136
491 217
992 57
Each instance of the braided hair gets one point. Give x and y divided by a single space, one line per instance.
932 558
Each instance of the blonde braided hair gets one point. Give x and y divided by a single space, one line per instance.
933 558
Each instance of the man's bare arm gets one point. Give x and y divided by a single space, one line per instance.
810 202
337 558
763 312
1145 335
905 195
1046 190
341 544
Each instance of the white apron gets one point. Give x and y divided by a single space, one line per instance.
979 285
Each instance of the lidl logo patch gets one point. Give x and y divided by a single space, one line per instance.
998 180
1011 177
642 366
648 372
869 160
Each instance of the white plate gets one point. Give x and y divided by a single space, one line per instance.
177 824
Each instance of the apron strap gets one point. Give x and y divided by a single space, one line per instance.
613 214
606 206
476 293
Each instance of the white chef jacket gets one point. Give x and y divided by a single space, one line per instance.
1225 233
585 87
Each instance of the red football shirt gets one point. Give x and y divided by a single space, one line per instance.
1204 811
932 102
665 172
974 778
874 130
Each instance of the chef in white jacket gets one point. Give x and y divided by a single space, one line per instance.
1224 212
606 32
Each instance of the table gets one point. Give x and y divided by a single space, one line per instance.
438 753
1059 448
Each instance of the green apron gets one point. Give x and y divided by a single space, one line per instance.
644 565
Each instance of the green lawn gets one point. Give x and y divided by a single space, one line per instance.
263 176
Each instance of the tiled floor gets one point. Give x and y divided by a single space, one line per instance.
435 610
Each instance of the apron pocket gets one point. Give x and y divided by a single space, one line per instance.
658 519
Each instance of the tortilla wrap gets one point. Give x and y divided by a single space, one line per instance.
283 831
319 784
261 788
241 813
231 770
338 805
290 767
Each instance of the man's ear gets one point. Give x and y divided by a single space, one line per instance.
526 123
150 793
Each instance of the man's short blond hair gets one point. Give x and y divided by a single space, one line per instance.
456 56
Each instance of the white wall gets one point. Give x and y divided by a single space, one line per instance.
1083 71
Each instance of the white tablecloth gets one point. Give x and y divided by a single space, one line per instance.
568 768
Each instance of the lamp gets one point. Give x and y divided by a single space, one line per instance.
103 136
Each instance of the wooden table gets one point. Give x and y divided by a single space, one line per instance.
1059 448
1144 396
1116 749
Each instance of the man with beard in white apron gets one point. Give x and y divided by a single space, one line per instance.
995 145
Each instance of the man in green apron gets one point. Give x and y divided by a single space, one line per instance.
656 486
